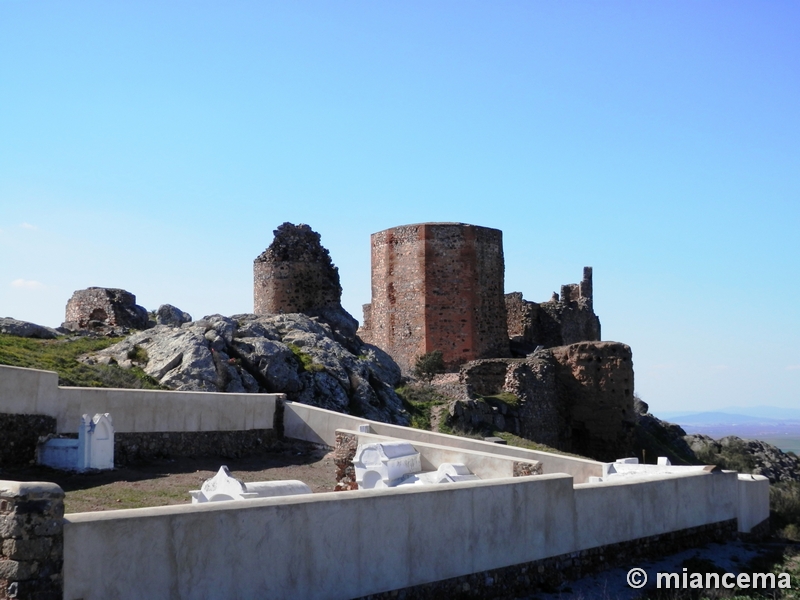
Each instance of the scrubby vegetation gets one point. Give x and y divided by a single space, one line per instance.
784 505
733 456
305 361
505 397
419 399
428 365
61 355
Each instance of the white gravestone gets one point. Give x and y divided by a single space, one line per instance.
392 464
93 449
224 486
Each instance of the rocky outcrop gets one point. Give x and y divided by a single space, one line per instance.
654 437
11 326
98 308
172 316
746 456
295 354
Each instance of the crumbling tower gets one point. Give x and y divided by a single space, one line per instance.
295 274
437 286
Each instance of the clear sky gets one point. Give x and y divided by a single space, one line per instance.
155 146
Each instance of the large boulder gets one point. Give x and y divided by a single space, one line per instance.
11 326
171 315
293 353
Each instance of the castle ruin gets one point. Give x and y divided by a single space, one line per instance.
564 319
437 286
97 307
295 274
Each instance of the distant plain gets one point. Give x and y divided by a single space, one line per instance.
779 427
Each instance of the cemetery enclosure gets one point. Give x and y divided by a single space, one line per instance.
349 544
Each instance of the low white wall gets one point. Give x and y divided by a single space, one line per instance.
482 464
334 545
608 512
27 391
30 391
753 494
319 425
351 544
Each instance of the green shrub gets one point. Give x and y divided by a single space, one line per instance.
138 354
505 397
784 508
734 456
429 365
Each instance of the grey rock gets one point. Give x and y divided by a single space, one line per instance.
296 354
11 326
272 360
766 459
172 316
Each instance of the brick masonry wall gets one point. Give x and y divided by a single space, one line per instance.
395 320
547 574
437 286
31 540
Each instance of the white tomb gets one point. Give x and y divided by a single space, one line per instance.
224 486
446 473
630 467
93 448
384 464
391 464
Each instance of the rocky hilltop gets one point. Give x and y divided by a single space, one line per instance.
295 354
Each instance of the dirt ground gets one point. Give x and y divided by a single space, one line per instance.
168 481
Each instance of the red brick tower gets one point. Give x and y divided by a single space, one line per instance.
437 286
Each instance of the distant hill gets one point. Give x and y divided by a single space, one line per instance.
761 413
777 426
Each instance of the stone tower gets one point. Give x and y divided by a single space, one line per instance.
295 274
437 286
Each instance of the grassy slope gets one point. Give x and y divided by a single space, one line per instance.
60 355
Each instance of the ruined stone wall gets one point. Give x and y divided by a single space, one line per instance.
295 274
566 319
576 398
596 378
20 435
437 286
541 415
104 307
31 540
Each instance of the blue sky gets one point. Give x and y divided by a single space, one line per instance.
155 147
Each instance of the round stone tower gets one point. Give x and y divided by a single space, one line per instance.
437 286
295 274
